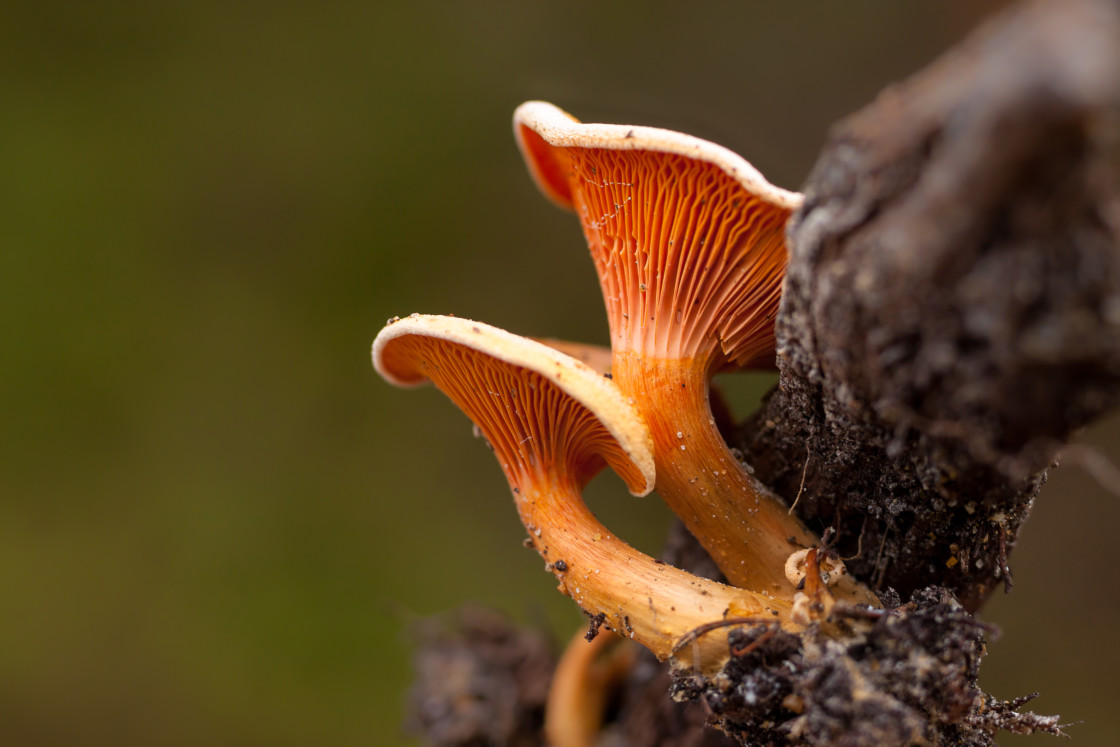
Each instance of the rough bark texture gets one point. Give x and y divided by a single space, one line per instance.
951 313
480 680
908 679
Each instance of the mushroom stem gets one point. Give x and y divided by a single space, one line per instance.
580 688
743 526
629 592
553 423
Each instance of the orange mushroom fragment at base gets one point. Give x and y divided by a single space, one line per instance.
585 674
688 242
553 423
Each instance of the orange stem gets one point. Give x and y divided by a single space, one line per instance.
743 526
577 698
640 598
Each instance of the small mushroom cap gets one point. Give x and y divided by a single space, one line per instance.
521 393
552 423
688 238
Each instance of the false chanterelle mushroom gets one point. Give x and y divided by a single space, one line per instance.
553 423
688 242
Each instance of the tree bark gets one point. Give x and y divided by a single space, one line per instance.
951 312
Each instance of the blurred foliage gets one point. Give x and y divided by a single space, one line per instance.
216 523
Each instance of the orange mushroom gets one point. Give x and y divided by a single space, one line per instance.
595 356
688 242
581 685
553 423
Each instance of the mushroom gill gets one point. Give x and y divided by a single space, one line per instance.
688 242
553 423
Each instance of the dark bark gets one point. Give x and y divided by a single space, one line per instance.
480 680
911 679
951 313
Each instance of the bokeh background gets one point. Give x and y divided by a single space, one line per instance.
216 523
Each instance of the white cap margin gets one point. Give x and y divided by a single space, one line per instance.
581 382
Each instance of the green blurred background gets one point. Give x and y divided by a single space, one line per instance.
216 522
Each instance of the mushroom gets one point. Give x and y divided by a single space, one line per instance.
581 685
553 423
595 356
688 242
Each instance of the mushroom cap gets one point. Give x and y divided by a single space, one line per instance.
687 237
514 389
597 357
540 128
